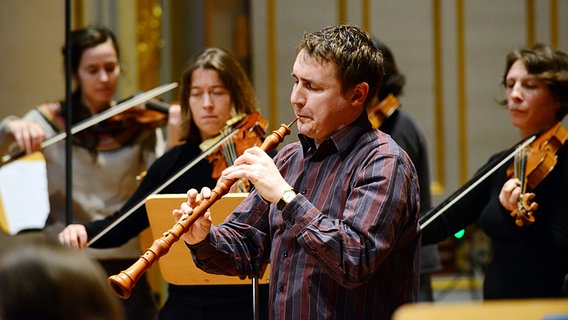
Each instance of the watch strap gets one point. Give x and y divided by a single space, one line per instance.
283 202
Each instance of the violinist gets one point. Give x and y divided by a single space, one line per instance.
215 89
386 113
335 213
529 259
106 158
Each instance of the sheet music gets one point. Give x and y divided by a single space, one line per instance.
24 199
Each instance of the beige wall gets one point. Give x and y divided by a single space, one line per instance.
31 70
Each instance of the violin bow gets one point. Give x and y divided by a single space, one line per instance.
436 212
164 185
136 100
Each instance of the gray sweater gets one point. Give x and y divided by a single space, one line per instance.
102 181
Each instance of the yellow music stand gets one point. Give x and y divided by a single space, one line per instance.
177 266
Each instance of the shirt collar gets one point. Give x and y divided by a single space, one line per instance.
342 141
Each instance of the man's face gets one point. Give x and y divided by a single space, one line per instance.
322 109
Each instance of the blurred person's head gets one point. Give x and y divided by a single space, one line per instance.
42 280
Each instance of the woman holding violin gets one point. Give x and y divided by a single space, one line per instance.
215 90
529 249
106 158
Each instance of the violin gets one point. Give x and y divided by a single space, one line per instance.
383 110
252 128
532 164
152 115
141 117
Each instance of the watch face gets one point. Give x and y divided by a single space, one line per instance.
288 195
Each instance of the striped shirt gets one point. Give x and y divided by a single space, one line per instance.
346 247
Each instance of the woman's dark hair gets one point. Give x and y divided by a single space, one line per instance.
547 65
80 41
393 80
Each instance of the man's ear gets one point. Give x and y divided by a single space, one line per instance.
359 94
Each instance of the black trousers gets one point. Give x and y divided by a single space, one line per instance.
214 302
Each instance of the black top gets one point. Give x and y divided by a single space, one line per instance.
529 261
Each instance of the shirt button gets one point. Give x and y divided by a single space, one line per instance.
285 254
281 288
303 191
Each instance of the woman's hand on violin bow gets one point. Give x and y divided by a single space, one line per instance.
28 135
74 236
199 230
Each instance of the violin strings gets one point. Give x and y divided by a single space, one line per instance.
229 150
226 146
232 152
523 172
520 171
520 167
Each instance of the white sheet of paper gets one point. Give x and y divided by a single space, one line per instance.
23 193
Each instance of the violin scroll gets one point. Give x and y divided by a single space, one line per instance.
523 214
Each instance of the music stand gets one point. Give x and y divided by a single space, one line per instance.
177 266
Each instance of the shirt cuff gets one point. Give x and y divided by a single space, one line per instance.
203 250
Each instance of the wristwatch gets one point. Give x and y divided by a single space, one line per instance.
287 196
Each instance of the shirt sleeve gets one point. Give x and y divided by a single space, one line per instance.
240 246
